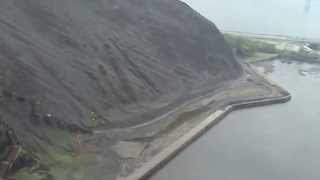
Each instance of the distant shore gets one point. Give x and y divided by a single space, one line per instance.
253 48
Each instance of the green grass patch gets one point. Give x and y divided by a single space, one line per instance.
60 159
247 47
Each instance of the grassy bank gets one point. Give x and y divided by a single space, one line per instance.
253 48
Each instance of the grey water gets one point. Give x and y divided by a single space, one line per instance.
278 142
298 18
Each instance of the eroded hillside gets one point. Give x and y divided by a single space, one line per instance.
78 65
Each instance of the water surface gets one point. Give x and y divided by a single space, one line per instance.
286 17
279 142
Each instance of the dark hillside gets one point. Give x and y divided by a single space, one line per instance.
79 64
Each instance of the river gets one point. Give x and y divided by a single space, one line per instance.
285 17
278 142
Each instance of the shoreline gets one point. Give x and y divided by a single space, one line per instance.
253 48
283 57
163 157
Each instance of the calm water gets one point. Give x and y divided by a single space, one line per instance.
279 142
287 17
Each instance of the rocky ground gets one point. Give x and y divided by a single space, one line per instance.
77 66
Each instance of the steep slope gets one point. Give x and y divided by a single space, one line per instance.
79 64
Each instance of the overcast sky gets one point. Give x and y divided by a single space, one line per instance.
288 17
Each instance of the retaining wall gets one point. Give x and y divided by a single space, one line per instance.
171 151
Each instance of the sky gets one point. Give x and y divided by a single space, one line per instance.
299 18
